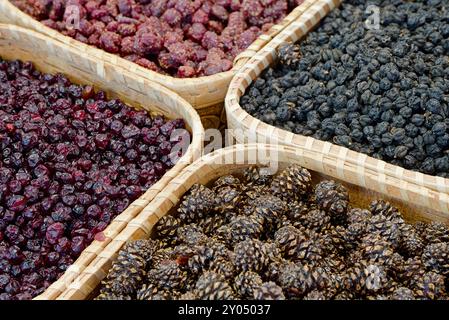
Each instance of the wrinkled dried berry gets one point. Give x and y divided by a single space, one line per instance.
143 30
70 162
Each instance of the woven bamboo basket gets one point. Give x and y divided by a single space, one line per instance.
206 94
51 56
417 203
245 128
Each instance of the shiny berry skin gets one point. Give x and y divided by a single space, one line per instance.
64 167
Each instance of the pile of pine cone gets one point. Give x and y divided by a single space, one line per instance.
262 237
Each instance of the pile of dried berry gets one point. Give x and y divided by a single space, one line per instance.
185 38
70 161
383 92
280 238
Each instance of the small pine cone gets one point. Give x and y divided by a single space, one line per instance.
287 239
205 254
250 193
181 254
358 216
112 296
388 229
366 278
335 263
224 267
296 212
128 270
282 222
337 238
403 293
315 295
420 227
396 265
379 297
268 291
228 198
160 256
227 181
353 257
167 276
246 282
124 279
166 227
316 220
412 268
376 249
142 248
410 243
355 232
436 232
436 257
269 207
212 286
296 280
257 176
334 199
381 207
192 235
189 295
272 251
211 224
310 248
274 269
197 204
292 183
345 295
289 54
151 292
224 235
246 227
250 254
297 244
429 286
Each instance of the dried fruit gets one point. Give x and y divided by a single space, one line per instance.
71 161
289 54
362 88
146 32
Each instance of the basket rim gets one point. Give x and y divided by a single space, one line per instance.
193 152
262 61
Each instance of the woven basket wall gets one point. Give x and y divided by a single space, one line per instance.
246 128
416 202
206 94
51 56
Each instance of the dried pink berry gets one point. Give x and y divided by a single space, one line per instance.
126 30
155 25
148 43
172 17
210 40
110 42
219 12
196 32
